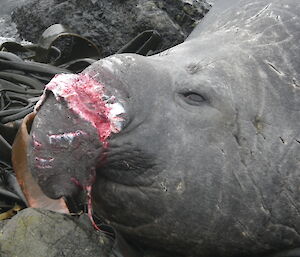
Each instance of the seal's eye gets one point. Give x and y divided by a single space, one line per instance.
193 98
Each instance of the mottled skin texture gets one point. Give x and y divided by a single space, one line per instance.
208 161
75 161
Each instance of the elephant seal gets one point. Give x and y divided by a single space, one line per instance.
206 162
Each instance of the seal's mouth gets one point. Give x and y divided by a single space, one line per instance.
130 178
129 163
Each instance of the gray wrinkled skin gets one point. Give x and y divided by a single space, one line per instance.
208 162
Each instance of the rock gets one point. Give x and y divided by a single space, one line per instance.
8 30
112 24
36 233
7 6
2 224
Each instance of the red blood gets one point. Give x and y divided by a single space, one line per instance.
88 190
84 96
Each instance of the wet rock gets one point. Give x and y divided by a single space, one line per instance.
35 233
112 24
8 30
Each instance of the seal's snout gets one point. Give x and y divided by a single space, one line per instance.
74 119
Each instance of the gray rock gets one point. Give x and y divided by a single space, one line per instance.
112 24
8 30
7 5
36 233
2 223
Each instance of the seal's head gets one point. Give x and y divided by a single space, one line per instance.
207 162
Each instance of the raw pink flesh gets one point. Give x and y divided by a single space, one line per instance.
84 96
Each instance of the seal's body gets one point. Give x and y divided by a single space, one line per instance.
207 160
